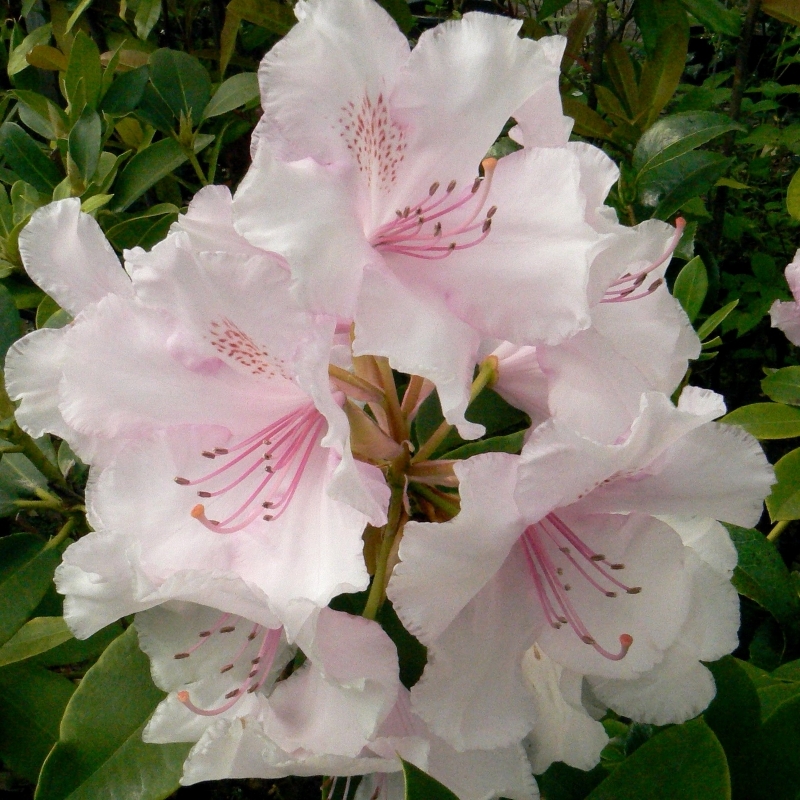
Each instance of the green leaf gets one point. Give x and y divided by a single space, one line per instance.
766 420
784 10
83 69
153 110
735 716
85 142
75 651
10 323
587 121
677 134
147 15
691 287
100 752
783 502
148 167
125 92
79 9
34 637
268 14
400 13
52 117
26 158
26 572
562 782
181 81
145 229
716 319
762 576
654 16
420 785
662 73
783 386
714 16
685 762
512 443
32 701
623 75
698 172
234 92
788 672
780 754
17 60
793 196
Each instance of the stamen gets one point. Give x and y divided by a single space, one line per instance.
291 442
413 237
632 282
591 566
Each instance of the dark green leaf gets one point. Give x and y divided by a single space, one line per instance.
400 13
153 110
234 92
714 16
34 637
772 697
562 782
654 16
147 14
768 645
512 443
74 651
762 576
148 167
420 786
26 158
677 134
143 230
699 171
779 753
691 287
735 717
685 762
181 81
549 7
273 16
83 70
26 572
10 324
125 92
100 752
662 73
32 701
85 141
793 196
766 420
783 502
788 672
413 655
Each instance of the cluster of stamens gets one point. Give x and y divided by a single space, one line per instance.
269 463
420 231
629 286
548 577
260 665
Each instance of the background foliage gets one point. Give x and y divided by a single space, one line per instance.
133 106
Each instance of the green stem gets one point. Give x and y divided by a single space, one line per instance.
215 151
779 528
65 531
487 375
377 591
392 405
196 164
436 499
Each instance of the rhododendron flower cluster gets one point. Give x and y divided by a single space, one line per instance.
263 495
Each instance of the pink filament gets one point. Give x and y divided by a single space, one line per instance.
284 458
631 282
254 680
553 597
414 233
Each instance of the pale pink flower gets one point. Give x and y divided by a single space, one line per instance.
221 672
365 177
786 315
569 546
639 340
226 452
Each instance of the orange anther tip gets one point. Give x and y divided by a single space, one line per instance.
198 511
680 223
626 640
183 697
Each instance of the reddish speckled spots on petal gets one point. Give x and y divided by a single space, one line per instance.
233 343
375 139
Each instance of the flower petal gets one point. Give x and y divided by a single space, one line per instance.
66 254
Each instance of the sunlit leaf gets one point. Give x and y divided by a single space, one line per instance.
34 637
691 287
